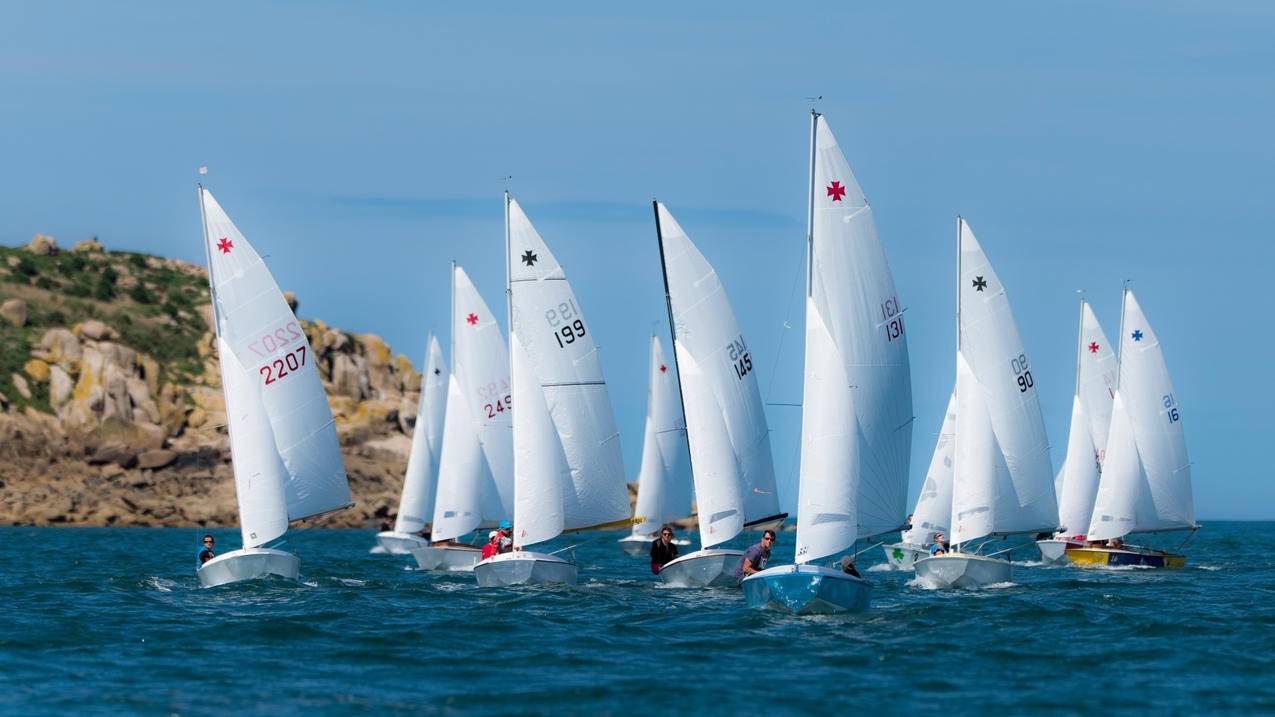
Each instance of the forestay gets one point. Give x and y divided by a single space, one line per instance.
263 333
416 508
1146 480
1003 482
1090 424
260 475
730 447
933 512
857 403
556 371
475 474
664 479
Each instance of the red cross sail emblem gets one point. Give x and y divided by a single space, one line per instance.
472 319
836 191
225 245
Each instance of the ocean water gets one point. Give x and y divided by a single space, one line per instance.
112 621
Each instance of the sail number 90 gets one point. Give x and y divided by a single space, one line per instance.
1019 365
566 322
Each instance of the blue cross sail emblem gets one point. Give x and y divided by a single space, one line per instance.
1136 335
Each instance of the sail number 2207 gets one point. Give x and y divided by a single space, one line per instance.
284 365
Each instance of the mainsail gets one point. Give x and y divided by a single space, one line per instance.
857 403
1090 423
1002 481
254 320
568 471
933 512
1146 479
664 480
475 473
726 426
416 507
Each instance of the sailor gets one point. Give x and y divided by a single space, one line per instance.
206 552
940 545
506 536
386 525
756 557
904 535
847 566
663 550
493 544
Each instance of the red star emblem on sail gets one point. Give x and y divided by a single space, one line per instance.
663 368
225 245
836 191
1093 347
472 319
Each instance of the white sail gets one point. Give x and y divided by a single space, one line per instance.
416 507
664 480
554 354
933 512
726 426
475 474
1146 480
857 404
1090 423
265 335
260 475
1003 482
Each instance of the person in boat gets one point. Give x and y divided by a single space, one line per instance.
756 557
663 550
1116 543
506 536
903 535
847 566
386 525
493 544
939 547
206 552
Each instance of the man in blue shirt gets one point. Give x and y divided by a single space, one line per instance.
756 557
940 545
206 552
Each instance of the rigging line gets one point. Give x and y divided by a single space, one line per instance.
774 369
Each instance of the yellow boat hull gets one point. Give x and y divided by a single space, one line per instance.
1119 557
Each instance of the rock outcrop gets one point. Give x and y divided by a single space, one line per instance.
111 408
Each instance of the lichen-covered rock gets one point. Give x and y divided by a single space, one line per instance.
60 386
20 385
42 245
61 347
156 459
95 330
37 370
88 246
14 311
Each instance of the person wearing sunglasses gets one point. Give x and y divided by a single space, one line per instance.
663 550
756 557
206 552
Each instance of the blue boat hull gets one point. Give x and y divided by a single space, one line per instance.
807 590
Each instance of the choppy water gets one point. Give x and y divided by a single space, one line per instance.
112 621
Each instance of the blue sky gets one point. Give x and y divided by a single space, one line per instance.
362 148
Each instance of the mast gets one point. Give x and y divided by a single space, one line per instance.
957 383
672 327
1080 339
212 289
958 283
1124 299
810 209
451 349
509 291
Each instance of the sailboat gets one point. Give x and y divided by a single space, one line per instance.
1146 478
568 471
933 511
1077 482
1002 483
416 507
731 463
283 442
664 480
856 423
476 467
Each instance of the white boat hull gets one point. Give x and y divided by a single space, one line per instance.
396 543
709 568
447 558
636 545
524 567
248 564
901 556
961 570
1054 551
807 590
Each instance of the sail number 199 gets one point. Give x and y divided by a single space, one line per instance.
566 322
